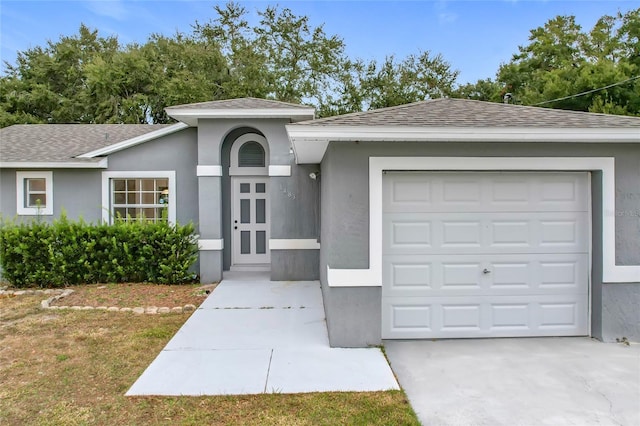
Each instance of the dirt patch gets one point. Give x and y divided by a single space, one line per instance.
131 295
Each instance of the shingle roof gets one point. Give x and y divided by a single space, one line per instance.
243 103
469 113
63 142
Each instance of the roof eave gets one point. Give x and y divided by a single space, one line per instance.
310 141
134 141
191 116
102 164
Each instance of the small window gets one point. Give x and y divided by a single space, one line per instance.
251 154
34 192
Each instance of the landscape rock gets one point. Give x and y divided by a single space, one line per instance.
113 309
189 308
177 310
164 310
138 310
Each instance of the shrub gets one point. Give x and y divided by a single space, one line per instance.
75 252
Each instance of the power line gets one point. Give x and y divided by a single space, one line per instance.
589 91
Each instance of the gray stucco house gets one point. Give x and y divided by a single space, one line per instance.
440 219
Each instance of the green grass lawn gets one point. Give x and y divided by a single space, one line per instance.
73 368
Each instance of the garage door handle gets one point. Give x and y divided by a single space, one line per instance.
486 271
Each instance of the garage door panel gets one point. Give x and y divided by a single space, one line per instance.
487 191
558 273
505 316
460 275
534 232
457 190
410 234
460 233
441 275
557 315
510 316
513 274
510 233
415 276
461 317
567 190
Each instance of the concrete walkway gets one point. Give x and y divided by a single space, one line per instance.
254 336
533 381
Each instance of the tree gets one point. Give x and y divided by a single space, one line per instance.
86 78
562 61
183 70
48 85
283 57
364 86
245 63
482 90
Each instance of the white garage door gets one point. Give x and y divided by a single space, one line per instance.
479 254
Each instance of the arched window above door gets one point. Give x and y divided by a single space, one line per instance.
251 154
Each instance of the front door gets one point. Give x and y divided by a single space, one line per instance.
250 223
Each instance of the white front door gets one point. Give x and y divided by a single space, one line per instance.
250 222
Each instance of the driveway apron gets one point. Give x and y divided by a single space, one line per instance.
254 336
530 381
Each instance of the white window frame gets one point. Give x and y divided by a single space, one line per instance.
21 205
107 215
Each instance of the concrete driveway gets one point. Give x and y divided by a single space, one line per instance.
533 381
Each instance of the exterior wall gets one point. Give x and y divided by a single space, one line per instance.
345 230
75 191
175 152
295 212
620 312
7 193
354 314
292 198
295 265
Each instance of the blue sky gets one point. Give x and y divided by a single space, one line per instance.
475 36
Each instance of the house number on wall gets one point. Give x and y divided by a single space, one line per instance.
287 192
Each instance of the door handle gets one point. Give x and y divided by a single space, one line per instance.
486 271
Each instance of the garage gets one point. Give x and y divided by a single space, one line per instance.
485 254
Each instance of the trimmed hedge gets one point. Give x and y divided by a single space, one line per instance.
75 252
